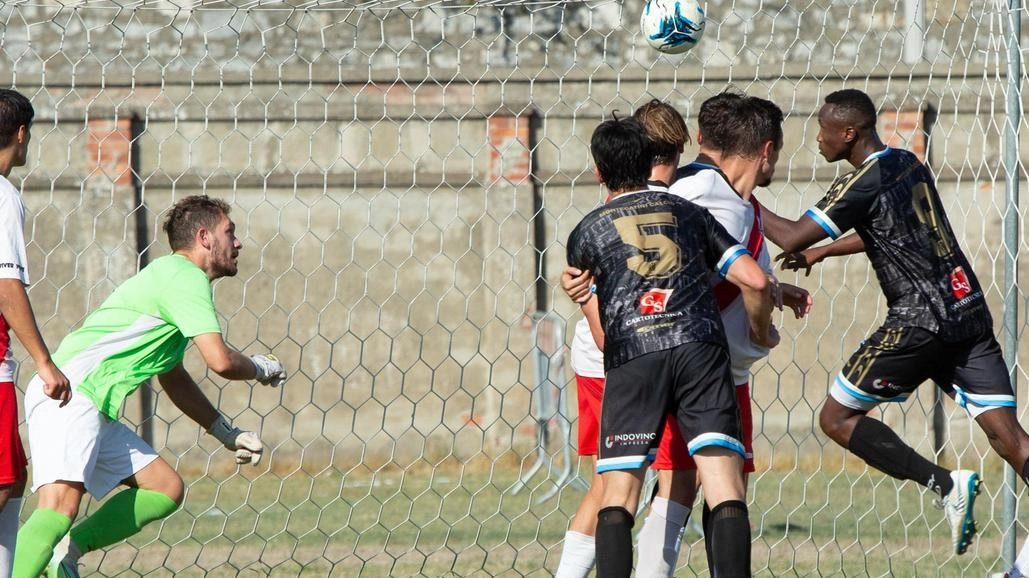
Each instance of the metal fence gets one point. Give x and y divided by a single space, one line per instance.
404 175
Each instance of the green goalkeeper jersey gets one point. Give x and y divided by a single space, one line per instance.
140 331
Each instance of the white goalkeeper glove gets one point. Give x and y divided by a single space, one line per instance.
269 370
246 444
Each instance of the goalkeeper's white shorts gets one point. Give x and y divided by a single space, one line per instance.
77 443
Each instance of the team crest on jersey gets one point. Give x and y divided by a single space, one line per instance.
959 284
655 301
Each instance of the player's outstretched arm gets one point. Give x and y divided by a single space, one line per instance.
16 308
231 364
791 236
184 392
756 290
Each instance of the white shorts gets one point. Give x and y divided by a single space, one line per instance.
77 443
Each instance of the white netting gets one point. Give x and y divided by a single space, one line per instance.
398 255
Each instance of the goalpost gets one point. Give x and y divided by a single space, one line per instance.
404 175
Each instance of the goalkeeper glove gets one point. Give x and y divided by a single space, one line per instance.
269 370
246 444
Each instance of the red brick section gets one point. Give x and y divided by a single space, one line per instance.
109 148
904 130
509 149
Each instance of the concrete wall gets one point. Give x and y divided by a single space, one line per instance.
387 219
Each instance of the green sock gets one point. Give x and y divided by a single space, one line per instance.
120 517
36 540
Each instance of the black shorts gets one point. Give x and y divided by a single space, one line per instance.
893 362
692 381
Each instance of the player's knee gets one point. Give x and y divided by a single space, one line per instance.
1009 445
1007 437
171 486
835 425
176 491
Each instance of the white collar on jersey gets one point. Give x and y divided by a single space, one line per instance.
879 154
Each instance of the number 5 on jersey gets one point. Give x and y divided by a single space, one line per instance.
660 256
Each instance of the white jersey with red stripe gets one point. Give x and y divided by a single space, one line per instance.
13 263
707 186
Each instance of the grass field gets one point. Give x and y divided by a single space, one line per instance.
465 522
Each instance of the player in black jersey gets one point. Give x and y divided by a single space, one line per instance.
938 325
664 344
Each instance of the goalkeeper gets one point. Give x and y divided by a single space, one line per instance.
140 331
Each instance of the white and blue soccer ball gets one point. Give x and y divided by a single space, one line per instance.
672 26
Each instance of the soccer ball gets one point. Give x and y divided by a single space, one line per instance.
672 26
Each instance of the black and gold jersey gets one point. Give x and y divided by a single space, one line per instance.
892 203
650 253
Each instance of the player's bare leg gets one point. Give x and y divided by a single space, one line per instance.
1010 441
154 493
49 523
880 447
579 553
721 475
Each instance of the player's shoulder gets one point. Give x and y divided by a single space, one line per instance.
695 182
9 192
175 267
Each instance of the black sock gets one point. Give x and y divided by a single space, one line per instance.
1025 473
882 449
705 520
730 537
614 542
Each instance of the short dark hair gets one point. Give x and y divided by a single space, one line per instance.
666 129
15 111
854 106
188 215
739 125
622 152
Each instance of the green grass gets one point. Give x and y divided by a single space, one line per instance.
465 522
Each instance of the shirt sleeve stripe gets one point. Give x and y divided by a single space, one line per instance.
729 257
823 220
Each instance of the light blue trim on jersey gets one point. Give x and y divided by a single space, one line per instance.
729 257
963 398
708 440
848 394
818 215
877 155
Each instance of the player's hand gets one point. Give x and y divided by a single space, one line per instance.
246 444
249 448
796 298
55 384
805 260
269 370
577 284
